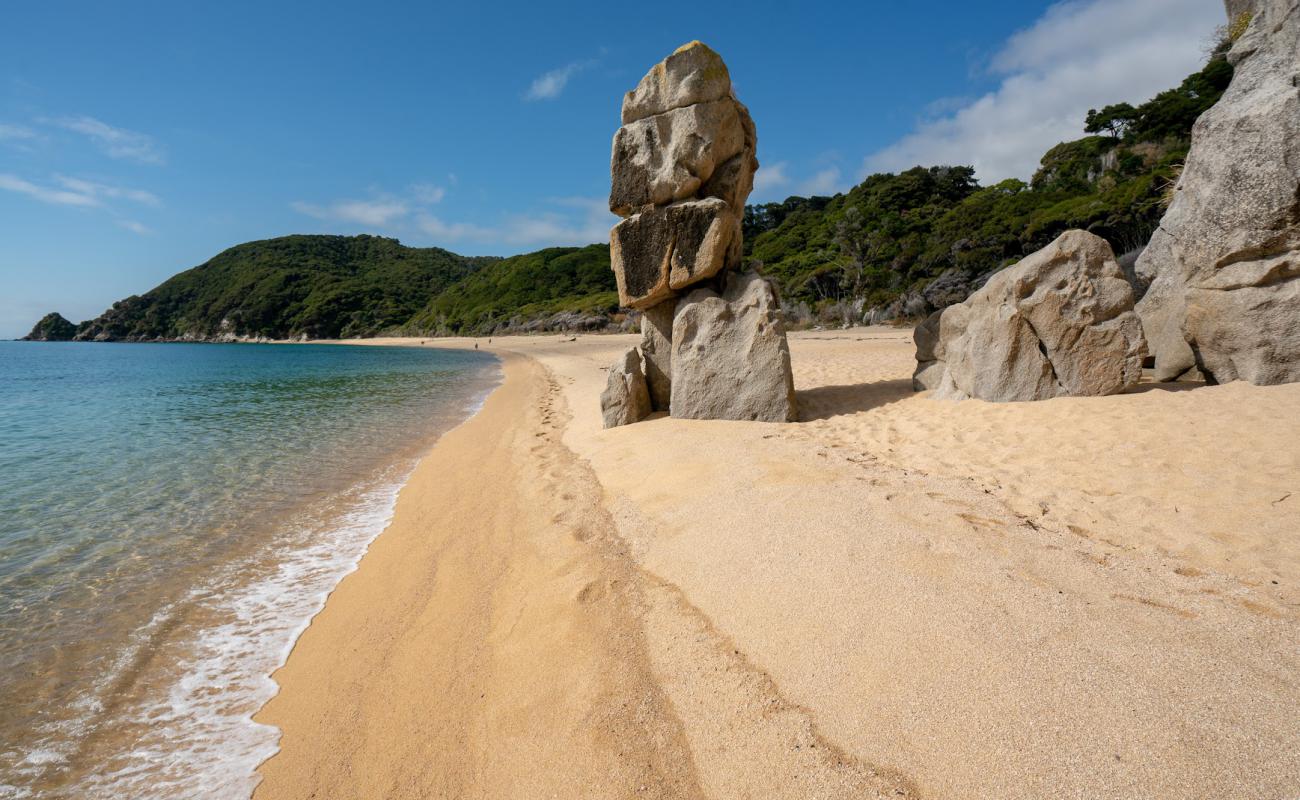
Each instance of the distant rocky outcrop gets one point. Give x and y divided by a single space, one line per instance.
681 168
1059 323
52 328
1224 267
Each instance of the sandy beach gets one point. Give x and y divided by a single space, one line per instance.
893 597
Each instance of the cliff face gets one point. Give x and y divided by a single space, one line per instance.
52 328
1224 266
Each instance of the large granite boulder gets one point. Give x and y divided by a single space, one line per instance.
730 358
1224 266
625 399
1059 323
658 252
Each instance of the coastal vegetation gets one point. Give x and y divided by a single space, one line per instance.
894 246
52 328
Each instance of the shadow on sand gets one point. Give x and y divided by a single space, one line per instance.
1176 386
825 402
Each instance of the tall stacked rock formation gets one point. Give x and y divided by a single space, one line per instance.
1224 266
683 163
1058 324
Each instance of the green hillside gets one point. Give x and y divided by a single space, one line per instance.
513 291
314 286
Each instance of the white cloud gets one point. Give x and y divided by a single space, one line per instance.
116 142
549 85
1080 54
46 194
825 182
585 220
373 213
770 177
100 190
428 193
452 231
134 227
563 221
10 132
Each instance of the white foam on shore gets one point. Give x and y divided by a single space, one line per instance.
200 739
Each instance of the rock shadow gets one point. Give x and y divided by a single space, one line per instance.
825 402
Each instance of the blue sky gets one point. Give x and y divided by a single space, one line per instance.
138 139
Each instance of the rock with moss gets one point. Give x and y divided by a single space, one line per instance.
52 328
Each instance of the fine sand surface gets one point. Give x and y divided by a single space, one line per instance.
895 596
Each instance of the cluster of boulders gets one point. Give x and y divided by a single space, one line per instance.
1221 274
713 343
1224 266
1059 323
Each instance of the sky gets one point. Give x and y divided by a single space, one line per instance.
138 139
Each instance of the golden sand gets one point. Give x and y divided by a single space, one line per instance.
895 596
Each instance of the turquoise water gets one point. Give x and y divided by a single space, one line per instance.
171 516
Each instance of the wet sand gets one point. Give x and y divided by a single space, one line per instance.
894 596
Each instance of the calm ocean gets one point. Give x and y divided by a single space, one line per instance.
171 517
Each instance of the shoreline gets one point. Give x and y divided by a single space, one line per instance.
892 597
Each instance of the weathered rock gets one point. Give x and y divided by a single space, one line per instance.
730 358
658 252
657 347
625 399
668 157
692 74
930 366
1059 323
733 180
1224 266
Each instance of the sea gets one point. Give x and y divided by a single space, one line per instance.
171 518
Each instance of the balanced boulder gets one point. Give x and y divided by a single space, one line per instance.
681 168
693 74
1059 323
730 357
660 251
1223 268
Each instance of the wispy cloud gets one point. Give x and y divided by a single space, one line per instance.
103 190
134 227
771 177
115 142
46 194
825 182
549 85
428 193
63 190
567 221
9 132
561 220
1080 54
375 213
382 211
